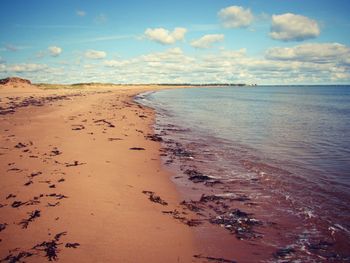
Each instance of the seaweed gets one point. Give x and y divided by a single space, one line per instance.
237 222
75 163
196 177
16 258
55 152
72 245
154 137
58 196
10 196
2 226
17 204
109 124
220 260
20 145
50 247
177 215
32 216
154 198
284 252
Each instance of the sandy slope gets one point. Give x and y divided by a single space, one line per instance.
67 163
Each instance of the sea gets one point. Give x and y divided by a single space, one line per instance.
285 148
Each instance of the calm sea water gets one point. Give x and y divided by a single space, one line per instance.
297 138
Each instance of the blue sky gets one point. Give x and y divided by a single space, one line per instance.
265 42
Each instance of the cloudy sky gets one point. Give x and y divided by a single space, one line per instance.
264 42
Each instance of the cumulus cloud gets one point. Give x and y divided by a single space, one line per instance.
164 36
235 17
95 54
116 63
81 13
301 64
310 52
54 51
207 41
291 27
25 67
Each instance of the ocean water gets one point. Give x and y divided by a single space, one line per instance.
291 142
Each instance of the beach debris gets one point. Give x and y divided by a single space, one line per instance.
35 174
137 148
51 205
179 216
20 145
237 222
50 247
284 253
109 124
226 196
10 196
154 137
78 127
72 245
192 206
61 180
16 258
28 183
323 249
154 198
32 215
114 139
55 152
2 226
219 260
58 196
17 204
178 151
75 163
196 177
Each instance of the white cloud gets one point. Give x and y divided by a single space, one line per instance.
291 27
301 64
116 63
207 41
95 54
235 17
164 36
54 51
24 67
81 13
310 52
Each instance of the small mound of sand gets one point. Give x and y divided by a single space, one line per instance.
14 81
17 85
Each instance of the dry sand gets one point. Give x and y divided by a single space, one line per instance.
71 187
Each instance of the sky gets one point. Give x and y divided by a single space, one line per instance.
197 41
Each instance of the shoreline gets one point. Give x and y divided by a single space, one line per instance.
80 178
269 235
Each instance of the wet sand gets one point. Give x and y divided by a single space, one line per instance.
82 182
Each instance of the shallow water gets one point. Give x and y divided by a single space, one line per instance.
288 148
